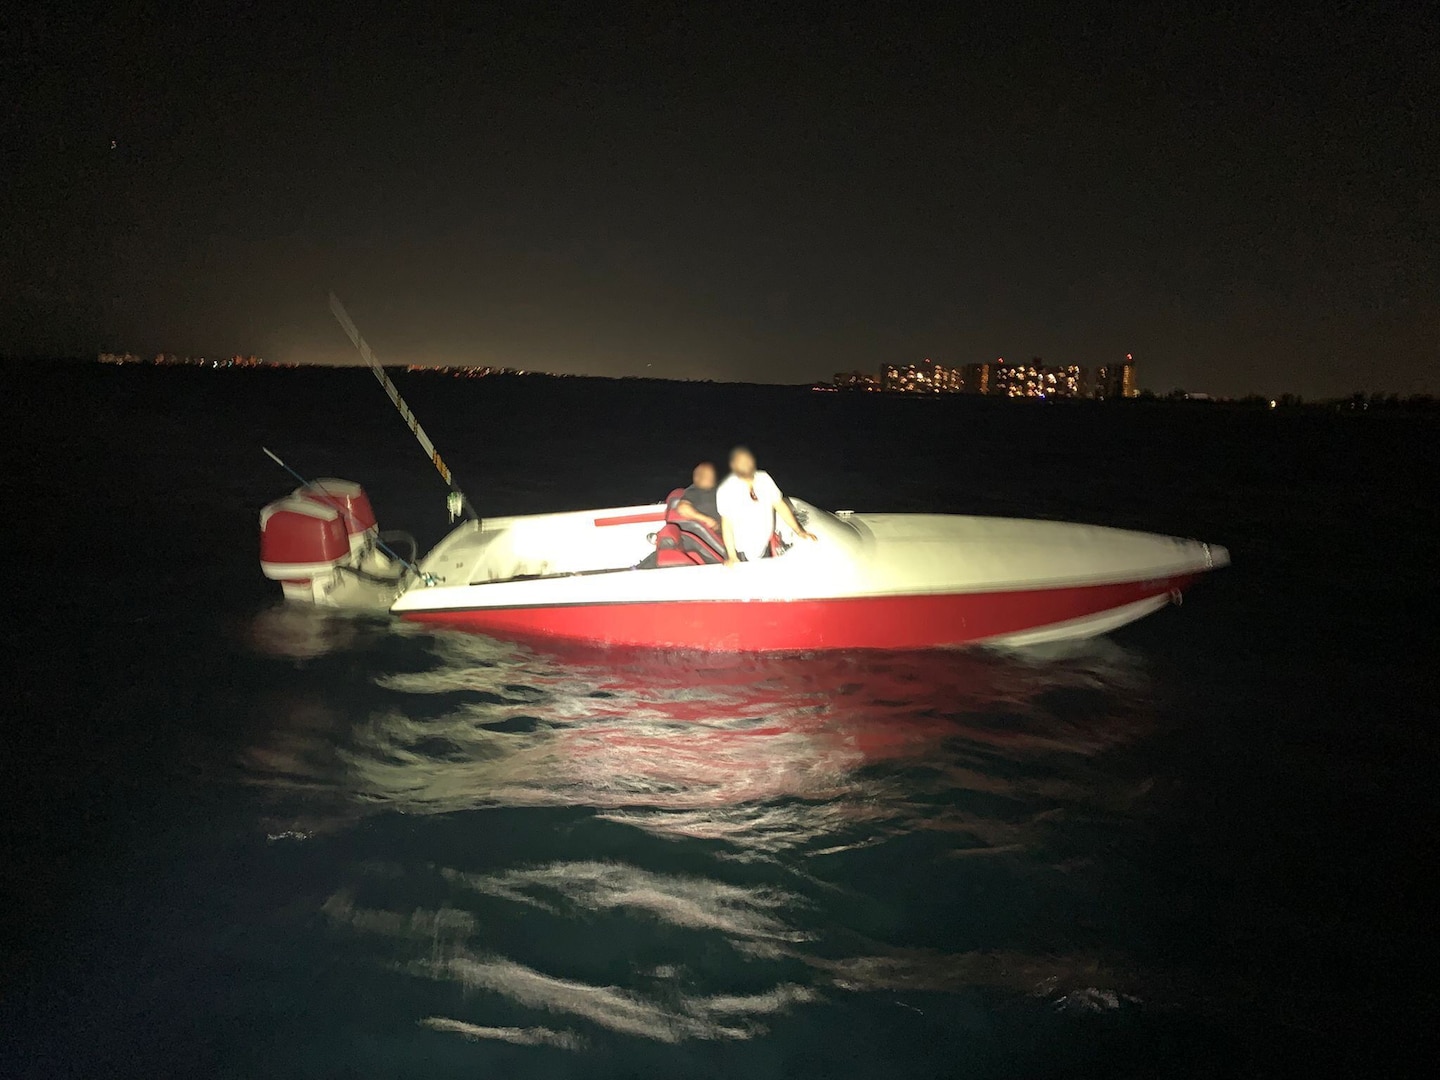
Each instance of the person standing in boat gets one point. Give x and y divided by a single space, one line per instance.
698 502
748 501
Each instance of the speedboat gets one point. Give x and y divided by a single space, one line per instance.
641 576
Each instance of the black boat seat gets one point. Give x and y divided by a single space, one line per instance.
681 542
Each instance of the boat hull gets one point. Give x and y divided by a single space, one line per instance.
864 581
1013 617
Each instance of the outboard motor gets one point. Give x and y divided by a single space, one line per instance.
353 504
301 544
319 543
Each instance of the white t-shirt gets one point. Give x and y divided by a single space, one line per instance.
753 520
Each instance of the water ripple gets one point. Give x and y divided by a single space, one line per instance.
756 809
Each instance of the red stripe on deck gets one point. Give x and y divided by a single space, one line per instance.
631 519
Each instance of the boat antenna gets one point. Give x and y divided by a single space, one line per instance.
456 503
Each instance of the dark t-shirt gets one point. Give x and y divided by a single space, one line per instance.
703 500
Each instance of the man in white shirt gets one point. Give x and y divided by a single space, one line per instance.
748 501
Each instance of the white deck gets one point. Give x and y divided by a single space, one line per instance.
563 559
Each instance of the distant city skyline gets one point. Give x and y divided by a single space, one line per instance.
1006 379
343 355
1000 377
1032 378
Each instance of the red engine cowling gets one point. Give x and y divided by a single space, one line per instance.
353 505
301 540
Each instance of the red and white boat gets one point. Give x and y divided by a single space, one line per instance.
868 581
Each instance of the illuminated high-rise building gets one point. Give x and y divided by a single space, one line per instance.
926 377
1036 379
1033 379
1115 381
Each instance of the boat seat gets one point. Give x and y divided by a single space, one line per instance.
682 542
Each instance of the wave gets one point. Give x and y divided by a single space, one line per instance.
765 754
759 793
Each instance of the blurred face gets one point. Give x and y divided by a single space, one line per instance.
704 475
742 464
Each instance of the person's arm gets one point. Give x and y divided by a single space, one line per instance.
783 509
685 510
727 533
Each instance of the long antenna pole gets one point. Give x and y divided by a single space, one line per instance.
457 496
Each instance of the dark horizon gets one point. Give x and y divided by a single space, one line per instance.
1244 201
1359 399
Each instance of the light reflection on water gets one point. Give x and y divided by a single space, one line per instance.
764 796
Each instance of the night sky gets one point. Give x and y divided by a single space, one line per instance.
1247 202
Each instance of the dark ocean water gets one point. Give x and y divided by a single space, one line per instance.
244 841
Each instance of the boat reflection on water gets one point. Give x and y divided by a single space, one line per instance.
697 745
810 777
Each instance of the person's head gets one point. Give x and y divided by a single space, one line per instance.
742 463
704 475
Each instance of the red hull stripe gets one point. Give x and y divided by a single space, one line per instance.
867 622
630 519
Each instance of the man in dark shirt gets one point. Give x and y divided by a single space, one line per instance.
698 502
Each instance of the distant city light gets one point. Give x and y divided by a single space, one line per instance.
238 361
1035 379
172 360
